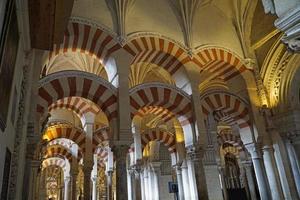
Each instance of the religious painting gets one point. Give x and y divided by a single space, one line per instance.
8 49
6 173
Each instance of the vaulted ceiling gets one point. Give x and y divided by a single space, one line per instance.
191 23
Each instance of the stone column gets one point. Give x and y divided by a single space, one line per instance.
137 182
185 180
87 170
295 165
179 182
74 174
259 171
272 173
142 185
66 191
130 184
195 154
156 175
224 189
120 153
146 183
109 175
94 190
151 187
250 179
88 120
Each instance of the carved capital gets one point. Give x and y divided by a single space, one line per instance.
254 150
195 152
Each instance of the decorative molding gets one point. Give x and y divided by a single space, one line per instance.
290 25
19 133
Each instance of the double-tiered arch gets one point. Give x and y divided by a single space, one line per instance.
65 84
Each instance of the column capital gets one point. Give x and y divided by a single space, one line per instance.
195 152
268 148
254 150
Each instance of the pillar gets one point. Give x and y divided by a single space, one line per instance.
259 171
146 183
195 154
130 184
88 120
295 165
272 173
142 185
156 175
109 194
250 180
74 174
66 191
185 180
137 182
284 168
179 182
87 170
120 153
94 188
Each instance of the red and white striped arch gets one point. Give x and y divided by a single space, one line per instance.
219 62
161 52
230 105
76 135
64 84
163 113
230 139
86 38
160 95
65 143
167 138
76 104
58 150
65 131
54 161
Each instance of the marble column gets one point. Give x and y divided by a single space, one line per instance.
195 154
67 186
250 180
130 184
142 185
109 194
259 171
94 188
156 175
151 187
179 182
137 183
146 183
185 180
88 120
295 164
120 153
272 173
